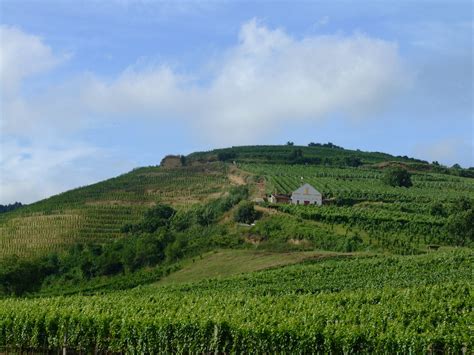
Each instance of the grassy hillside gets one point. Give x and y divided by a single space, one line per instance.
97 212
224 263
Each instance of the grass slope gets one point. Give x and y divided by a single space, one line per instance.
224 263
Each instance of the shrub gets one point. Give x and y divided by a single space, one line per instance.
246 213
460 227
398 177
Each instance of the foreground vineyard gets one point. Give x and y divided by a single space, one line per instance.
399 315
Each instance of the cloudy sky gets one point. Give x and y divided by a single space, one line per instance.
92 89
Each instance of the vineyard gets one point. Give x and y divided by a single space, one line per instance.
97 212
97 269
364 184
394 218
373 304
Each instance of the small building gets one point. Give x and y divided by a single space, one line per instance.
306 195
279 198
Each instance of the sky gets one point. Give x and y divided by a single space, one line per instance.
92 89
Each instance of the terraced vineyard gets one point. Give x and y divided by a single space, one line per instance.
383 305
97 212
360 183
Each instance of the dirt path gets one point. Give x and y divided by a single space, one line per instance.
236 179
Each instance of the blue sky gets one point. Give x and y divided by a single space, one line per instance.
92 89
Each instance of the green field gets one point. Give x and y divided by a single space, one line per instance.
156 260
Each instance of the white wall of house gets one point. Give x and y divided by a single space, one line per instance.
306 195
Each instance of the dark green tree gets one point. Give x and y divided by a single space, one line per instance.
460 227
246 213
438 209
397 177
226 155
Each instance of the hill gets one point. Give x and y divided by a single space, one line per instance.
97 212
166 258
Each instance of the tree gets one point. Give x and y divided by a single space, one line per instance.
226 155
296 154
460 227
460 205
205 215
290 143
352 161
397 177
246 213
437 209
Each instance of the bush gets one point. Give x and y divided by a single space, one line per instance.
155 218
226 155
246 213
398 177
460 227
438 209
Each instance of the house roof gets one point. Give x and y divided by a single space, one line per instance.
306 189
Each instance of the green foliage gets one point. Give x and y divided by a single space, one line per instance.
438 209
18 276
10 207
284 232
377 305
460 226
461 205
162 236
206 215
328 154
246 213
226 155
96 213
155 218
397 177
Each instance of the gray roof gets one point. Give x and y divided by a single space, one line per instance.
307 189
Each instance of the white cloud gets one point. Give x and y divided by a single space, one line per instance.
21 55
31 172
267 79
